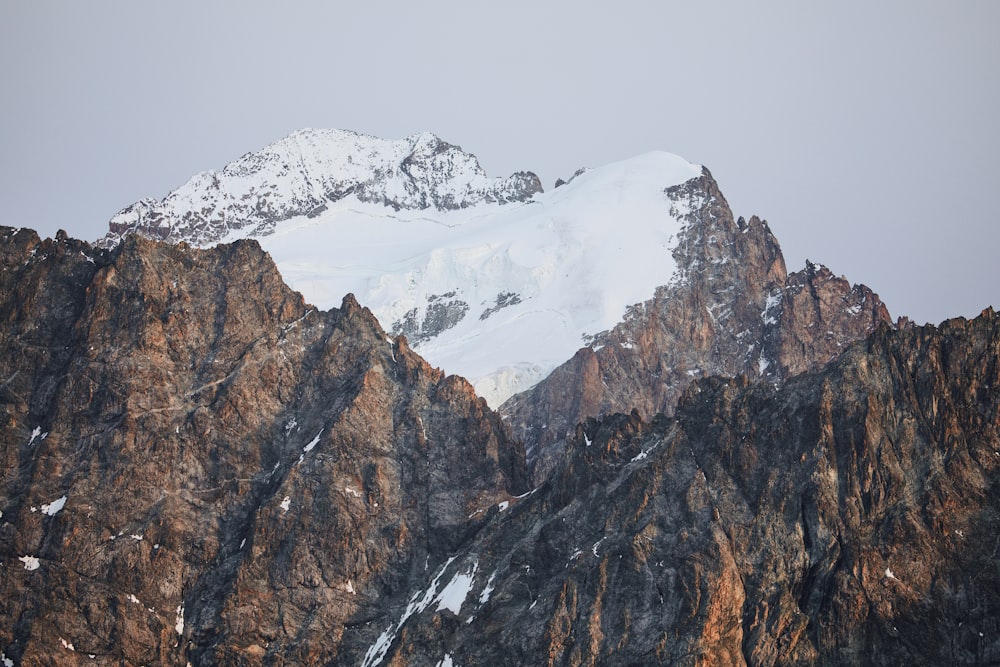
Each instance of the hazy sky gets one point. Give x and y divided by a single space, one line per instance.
866 133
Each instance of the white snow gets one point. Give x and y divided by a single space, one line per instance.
503 505
418 602
179 620
446 661
286 503
53 508
30 562
454 594
773 301
66 644
484 597
575 258
313 442
889 574
593 549
7 662
34 435
132 598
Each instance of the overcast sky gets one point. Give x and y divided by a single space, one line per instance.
866 133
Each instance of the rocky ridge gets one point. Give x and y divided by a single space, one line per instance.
303 173
849 517
732 309
200 468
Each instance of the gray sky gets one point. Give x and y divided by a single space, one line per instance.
864 132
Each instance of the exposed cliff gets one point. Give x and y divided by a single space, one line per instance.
849 517
200 467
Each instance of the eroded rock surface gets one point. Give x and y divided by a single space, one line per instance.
849 517
197 466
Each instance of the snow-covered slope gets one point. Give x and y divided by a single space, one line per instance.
499 294
487 278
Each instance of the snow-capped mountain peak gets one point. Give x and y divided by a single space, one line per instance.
305 172
488 278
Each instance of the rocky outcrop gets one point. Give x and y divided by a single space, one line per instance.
849 517
303 173
200 468
731 310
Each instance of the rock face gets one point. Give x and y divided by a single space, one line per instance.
732 310
199 467
304 172
849 517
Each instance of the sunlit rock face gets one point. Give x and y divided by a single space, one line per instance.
200 466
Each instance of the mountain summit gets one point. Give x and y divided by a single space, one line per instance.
303 173
488 278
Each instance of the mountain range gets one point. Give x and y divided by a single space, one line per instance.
670 450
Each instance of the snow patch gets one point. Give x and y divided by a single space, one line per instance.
286 503
179 620
54 507
66 644
446 661
30 562
418 602
484 597
313 442
454 594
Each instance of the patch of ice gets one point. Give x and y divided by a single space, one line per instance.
30 562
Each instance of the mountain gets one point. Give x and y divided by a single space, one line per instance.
849 517
505 283
731 309
200 468
303 173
